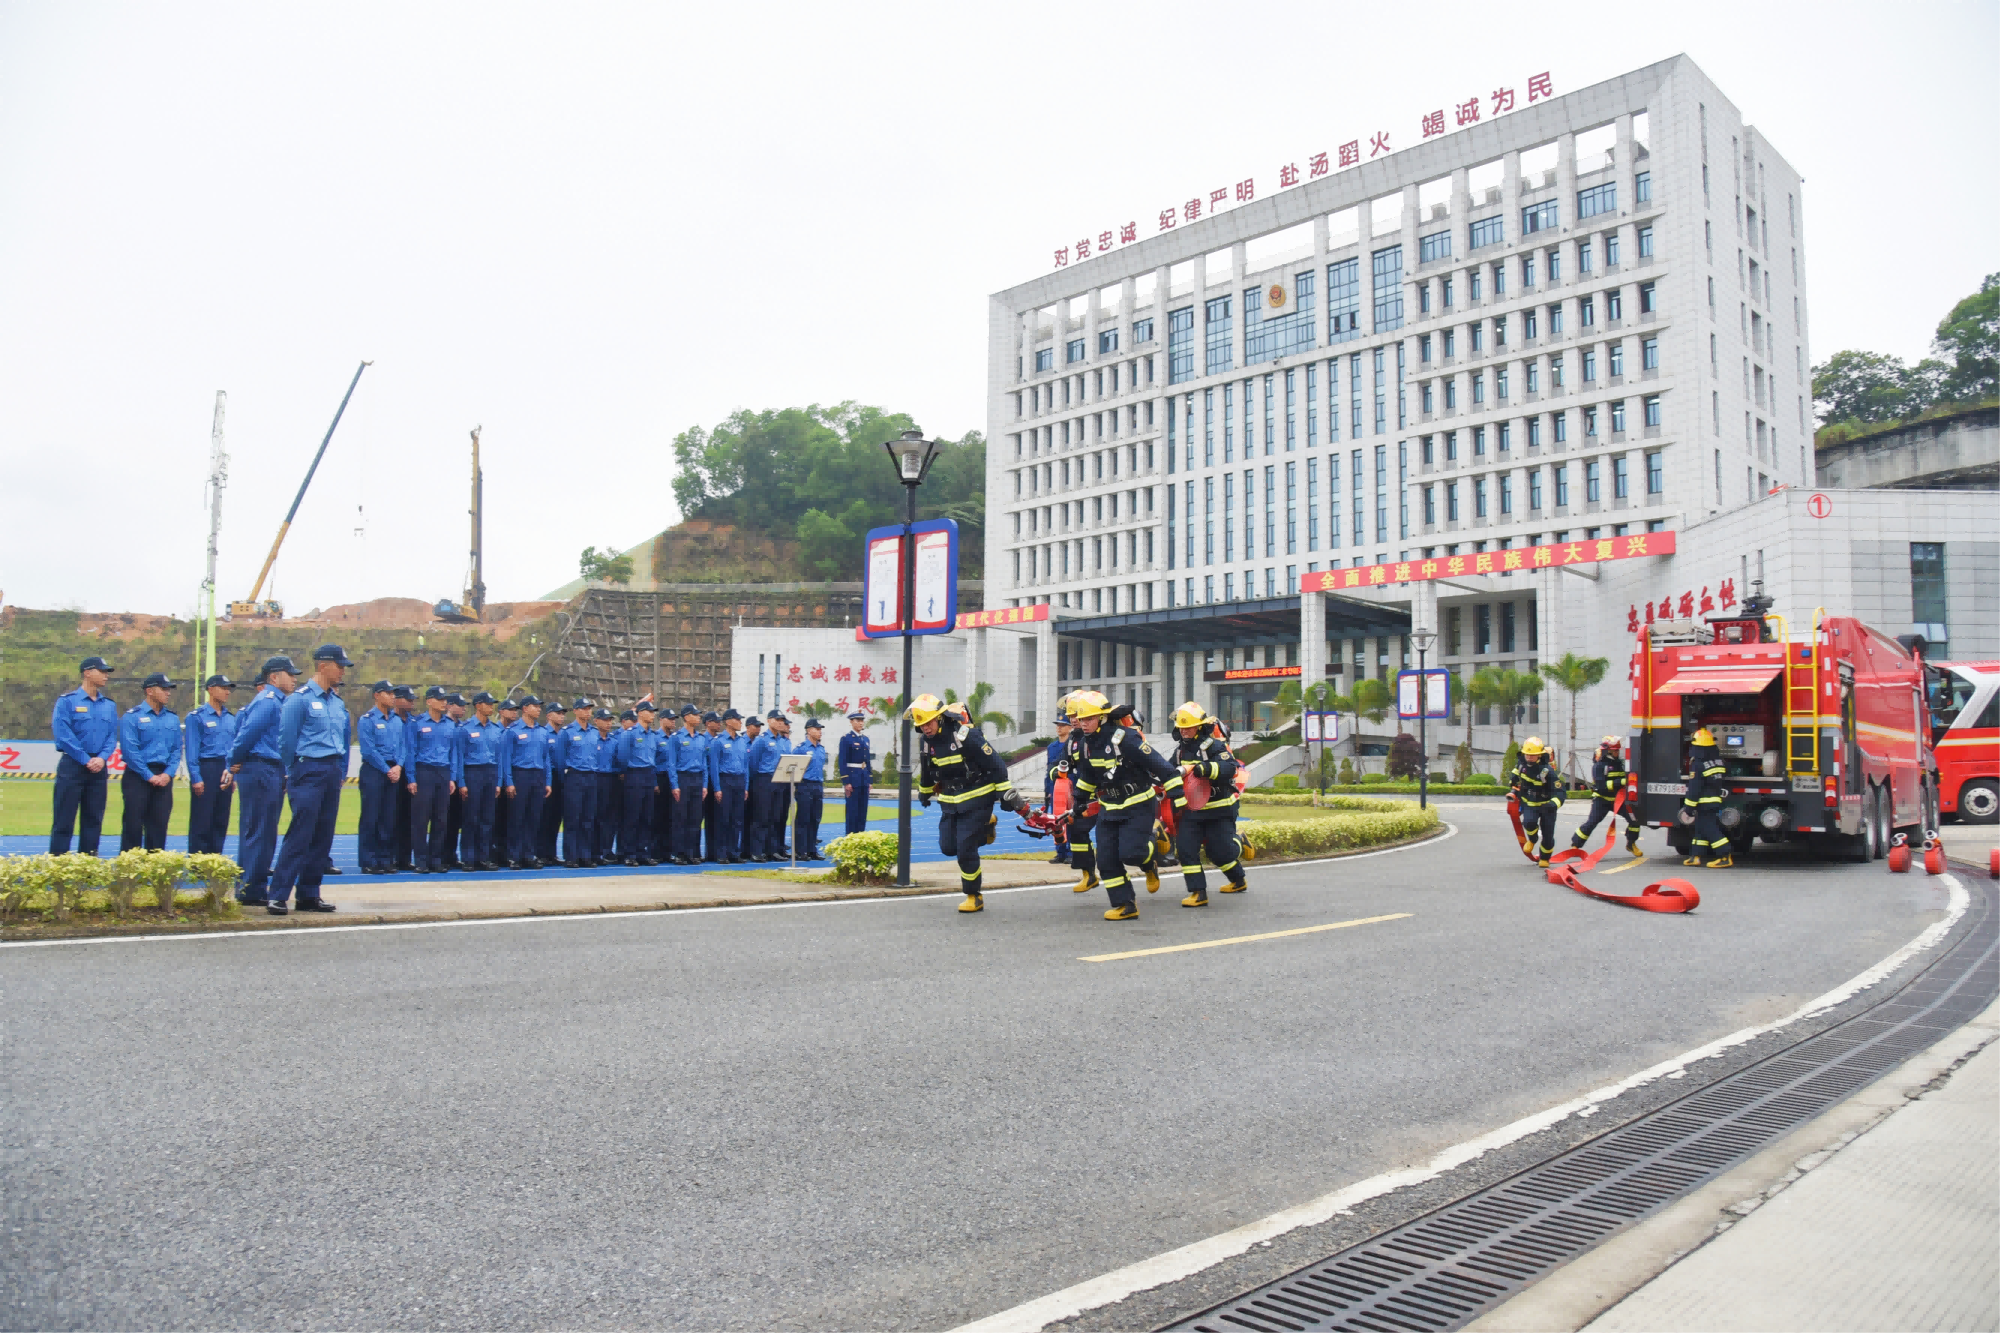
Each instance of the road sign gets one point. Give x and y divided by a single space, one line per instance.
933 547
1321 727
1435 683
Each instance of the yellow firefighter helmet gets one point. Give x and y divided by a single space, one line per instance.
1532 748
925 708
1191 714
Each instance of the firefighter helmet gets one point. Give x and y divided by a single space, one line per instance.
1703 737
925 709
1191 714
1532 748
1088 703
1612 743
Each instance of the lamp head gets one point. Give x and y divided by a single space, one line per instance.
912 455
1423 639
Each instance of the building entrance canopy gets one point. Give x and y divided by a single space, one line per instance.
1185 629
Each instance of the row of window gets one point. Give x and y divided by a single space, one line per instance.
1485 496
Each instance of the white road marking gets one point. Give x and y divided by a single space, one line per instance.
1190 1259
306 932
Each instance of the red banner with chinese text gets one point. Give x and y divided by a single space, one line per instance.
1519 558
1004 615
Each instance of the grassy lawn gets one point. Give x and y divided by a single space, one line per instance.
26 806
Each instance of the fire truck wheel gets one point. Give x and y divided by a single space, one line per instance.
1680 838
1979 803
1930 806
1882 829
1870 835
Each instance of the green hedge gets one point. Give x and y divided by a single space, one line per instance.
863 858
55 887
1270 796
1344 831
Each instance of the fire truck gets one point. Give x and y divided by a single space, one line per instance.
1826 736
1965 732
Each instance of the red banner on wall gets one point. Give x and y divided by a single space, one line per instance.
1004 615
1585 552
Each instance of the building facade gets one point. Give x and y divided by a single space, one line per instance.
1585 318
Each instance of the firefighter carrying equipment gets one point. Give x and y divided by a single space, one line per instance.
1533 746
958 763
1703 799
1120 769
1191 714
925 709
1088 703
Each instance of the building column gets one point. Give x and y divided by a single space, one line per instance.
976 666
1044 700
1312 639
1548 615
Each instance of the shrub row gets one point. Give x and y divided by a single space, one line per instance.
1345 831
1290 782
55 886
863 858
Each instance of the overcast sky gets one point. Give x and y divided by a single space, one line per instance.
589 228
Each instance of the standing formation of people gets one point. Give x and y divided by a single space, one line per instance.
473 784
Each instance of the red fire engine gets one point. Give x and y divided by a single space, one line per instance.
1965 731
1824 736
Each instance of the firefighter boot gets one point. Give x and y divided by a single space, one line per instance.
1085 883
1722 862
1632 839
1123 912
975 901
1577 841
1237 881
1199 898
1694 860
1152 877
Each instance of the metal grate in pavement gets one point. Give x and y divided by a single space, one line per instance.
1447 1268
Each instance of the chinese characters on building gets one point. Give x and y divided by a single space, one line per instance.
821 675
1431 124
1519 558
1686 606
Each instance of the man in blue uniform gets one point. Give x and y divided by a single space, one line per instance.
253 759
811 793
505 715
428 742
149 737
458 708
753 731
205 745
555 720
857 770
84 723
524 774
638 754
689 750
381 742
711 804
1053 760
604 840
313 736
404 701
577 753
765 826
476 770
729 756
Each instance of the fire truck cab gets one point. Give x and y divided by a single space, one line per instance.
1826 737
1965 732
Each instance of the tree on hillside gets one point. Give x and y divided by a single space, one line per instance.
606 566
1968 341
820 475
1869 388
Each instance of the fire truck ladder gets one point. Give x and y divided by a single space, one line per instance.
1801 699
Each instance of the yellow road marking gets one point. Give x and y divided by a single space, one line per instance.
1242 939
1637 860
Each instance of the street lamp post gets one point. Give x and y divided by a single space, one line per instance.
1423 638
911 454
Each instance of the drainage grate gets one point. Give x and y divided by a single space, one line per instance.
1444 1270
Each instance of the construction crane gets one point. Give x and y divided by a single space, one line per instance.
218 476
467 611
250 607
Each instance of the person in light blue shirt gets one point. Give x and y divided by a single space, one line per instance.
475 762
205 740
810 793
428 745
524 776
253 759
767 815
729 756
637 748
555 720
604 836
689 749
84 724
381 743
577 748
149 741
314 735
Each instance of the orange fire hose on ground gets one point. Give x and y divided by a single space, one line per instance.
1669 895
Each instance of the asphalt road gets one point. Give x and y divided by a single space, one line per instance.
857 1115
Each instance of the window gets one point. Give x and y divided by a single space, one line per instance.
1074 351
1479 497
1426 398
1424 348
1652 405
1506 493
1430 506
1488 231
1478 330
1180 345
1589 365
1618 416
1535 488
1423 298
1614 304
1556 320
1451 393
1534 376
1045 359
1649 298
1585 252
1451 446
1642 188
1927 593
1472 284
1343 300
1499 274
1649 354
1267 338
1617 360
1562 426
1586 311
1589 421
1451 502
1506 436
1556 370
1555 258
1437 245
1221 354
1645 242
1656 474
1598 199
1388 273
1527 270
1562 485
1590 481
1500 383
1611 249
1539 217
1478 387
1107 341
1530 325
1621 478
1142 332
1448 289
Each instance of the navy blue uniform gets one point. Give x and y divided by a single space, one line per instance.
312 748
688 759
809 798
958 768
577 747
856 760
1539 788
1211 829
262 784
732 784
476 767
381 734
84 729
524 766
149 739
428 743
1120 771
637 749
205 740
759 835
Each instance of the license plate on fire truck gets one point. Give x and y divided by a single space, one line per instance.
1666 789
1808 782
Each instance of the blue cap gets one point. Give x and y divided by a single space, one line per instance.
94 664
728 713
630 715
435 692
528 701
857 716
160 679
455 698
484 697
814 724
689 710
711 717
332 652
279 663
218 682
404 692
776 715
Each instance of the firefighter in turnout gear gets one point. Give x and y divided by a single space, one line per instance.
1083 813
1537 785
1205 808
1119 773
958 767
1607 779
1703 801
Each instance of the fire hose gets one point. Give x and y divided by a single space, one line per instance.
1668 895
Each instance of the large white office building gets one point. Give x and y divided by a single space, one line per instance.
1582 319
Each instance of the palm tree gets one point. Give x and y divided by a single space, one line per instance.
975 707
1574 675
1503 688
